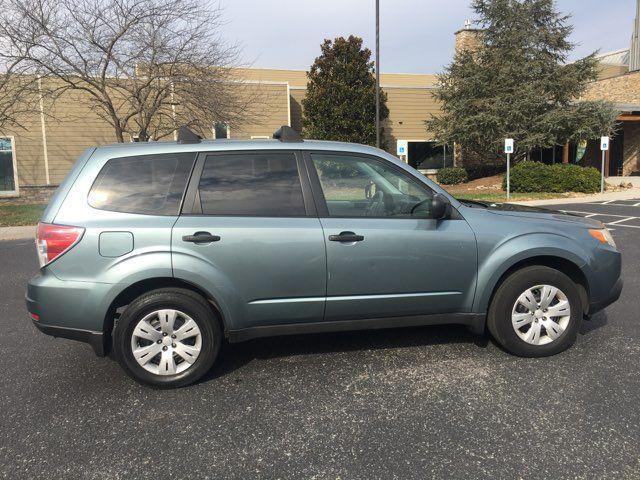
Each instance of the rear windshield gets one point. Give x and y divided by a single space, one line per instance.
149 184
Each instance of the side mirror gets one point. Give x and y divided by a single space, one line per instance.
440 207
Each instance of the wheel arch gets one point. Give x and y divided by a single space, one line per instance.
140 287
562 264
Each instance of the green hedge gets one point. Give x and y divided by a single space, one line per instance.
451 176
527 177
477 171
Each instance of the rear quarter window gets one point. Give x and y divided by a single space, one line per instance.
147 184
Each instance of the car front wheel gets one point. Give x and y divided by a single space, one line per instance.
536 312
167 338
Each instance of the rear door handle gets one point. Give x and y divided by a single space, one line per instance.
346 237
201 237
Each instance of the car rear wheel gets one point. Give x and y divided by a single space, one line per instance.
167 338
536 312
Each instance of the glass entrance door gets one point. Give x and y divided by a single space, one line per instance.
7 166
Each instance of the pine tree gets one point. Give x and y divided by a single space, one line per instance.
340 103
519 84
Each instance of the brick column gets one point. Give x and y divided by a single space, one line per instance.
565 153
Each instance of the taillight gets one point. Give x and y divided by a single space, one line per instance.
54 240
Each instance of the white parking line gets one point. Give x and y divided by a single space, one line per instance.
613 204
591 214
618 223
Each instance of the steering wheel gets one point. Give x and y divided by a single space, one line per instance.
368 189
377 207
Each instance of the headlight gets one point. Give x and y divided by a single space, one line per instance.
603 235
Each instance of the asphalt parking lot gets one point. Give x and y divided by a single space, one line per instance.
432 402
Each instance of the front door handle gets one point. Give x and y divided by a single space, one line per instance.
201 237
346 237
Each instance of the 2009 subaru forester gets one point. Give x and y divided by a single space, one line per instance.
159 250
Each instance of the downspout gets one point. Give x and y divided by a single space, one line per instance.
44 132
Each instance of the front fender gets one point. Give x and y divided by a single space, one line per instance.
517 249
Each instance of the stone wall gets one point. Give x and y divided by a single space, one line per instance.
467 39
622 89
30 195
631 148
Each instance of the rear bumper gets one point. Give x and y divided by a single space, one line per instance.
70 309
600 304
95 339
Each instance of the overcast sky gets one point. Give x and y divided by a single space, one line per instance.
416 35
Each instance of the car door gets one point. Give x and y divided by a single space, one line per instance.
249 234
382 259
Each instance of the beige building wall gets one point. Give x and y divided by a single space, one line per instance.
268 110
29 152
72 127
409 108
45 153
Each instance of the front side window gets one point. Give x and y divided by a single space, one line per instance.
148 184
254 184
356 186
7 172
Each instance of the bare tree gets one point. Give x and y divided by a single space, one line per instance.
146 66
19 94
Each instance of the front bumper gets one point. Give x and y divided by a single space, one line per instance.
599 305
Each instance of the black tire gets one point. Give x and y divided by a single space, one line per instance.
500 311
184 301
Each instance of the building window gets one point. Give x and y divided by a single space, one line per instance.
424 155
8 181
221 130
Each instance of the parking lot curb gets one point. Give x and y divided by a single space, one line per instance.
17 233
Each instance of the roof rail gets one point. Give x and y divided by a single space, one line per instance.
185 135
287 134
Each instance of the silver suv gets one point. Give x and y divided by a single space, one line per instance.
159 251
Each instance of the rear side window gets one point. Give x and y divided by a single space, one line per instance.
149 184
258 184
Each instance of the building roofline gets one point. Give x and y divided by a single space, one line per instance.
613 52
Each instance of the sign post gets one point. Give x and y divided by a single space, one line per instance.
402 149
508 149
604 146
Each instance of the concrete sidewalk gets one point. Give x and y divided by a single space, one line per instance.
18 233
630 194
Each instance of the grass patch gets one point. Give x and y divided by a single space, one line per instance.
502 197
15 215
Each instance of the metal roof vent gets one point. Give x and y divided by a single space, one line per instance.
287 134
185 135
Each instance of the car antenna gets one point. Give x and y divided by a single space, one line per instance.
287 134
185 135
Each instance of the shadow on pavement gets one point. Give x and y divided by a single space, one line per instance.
235 356
599 320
